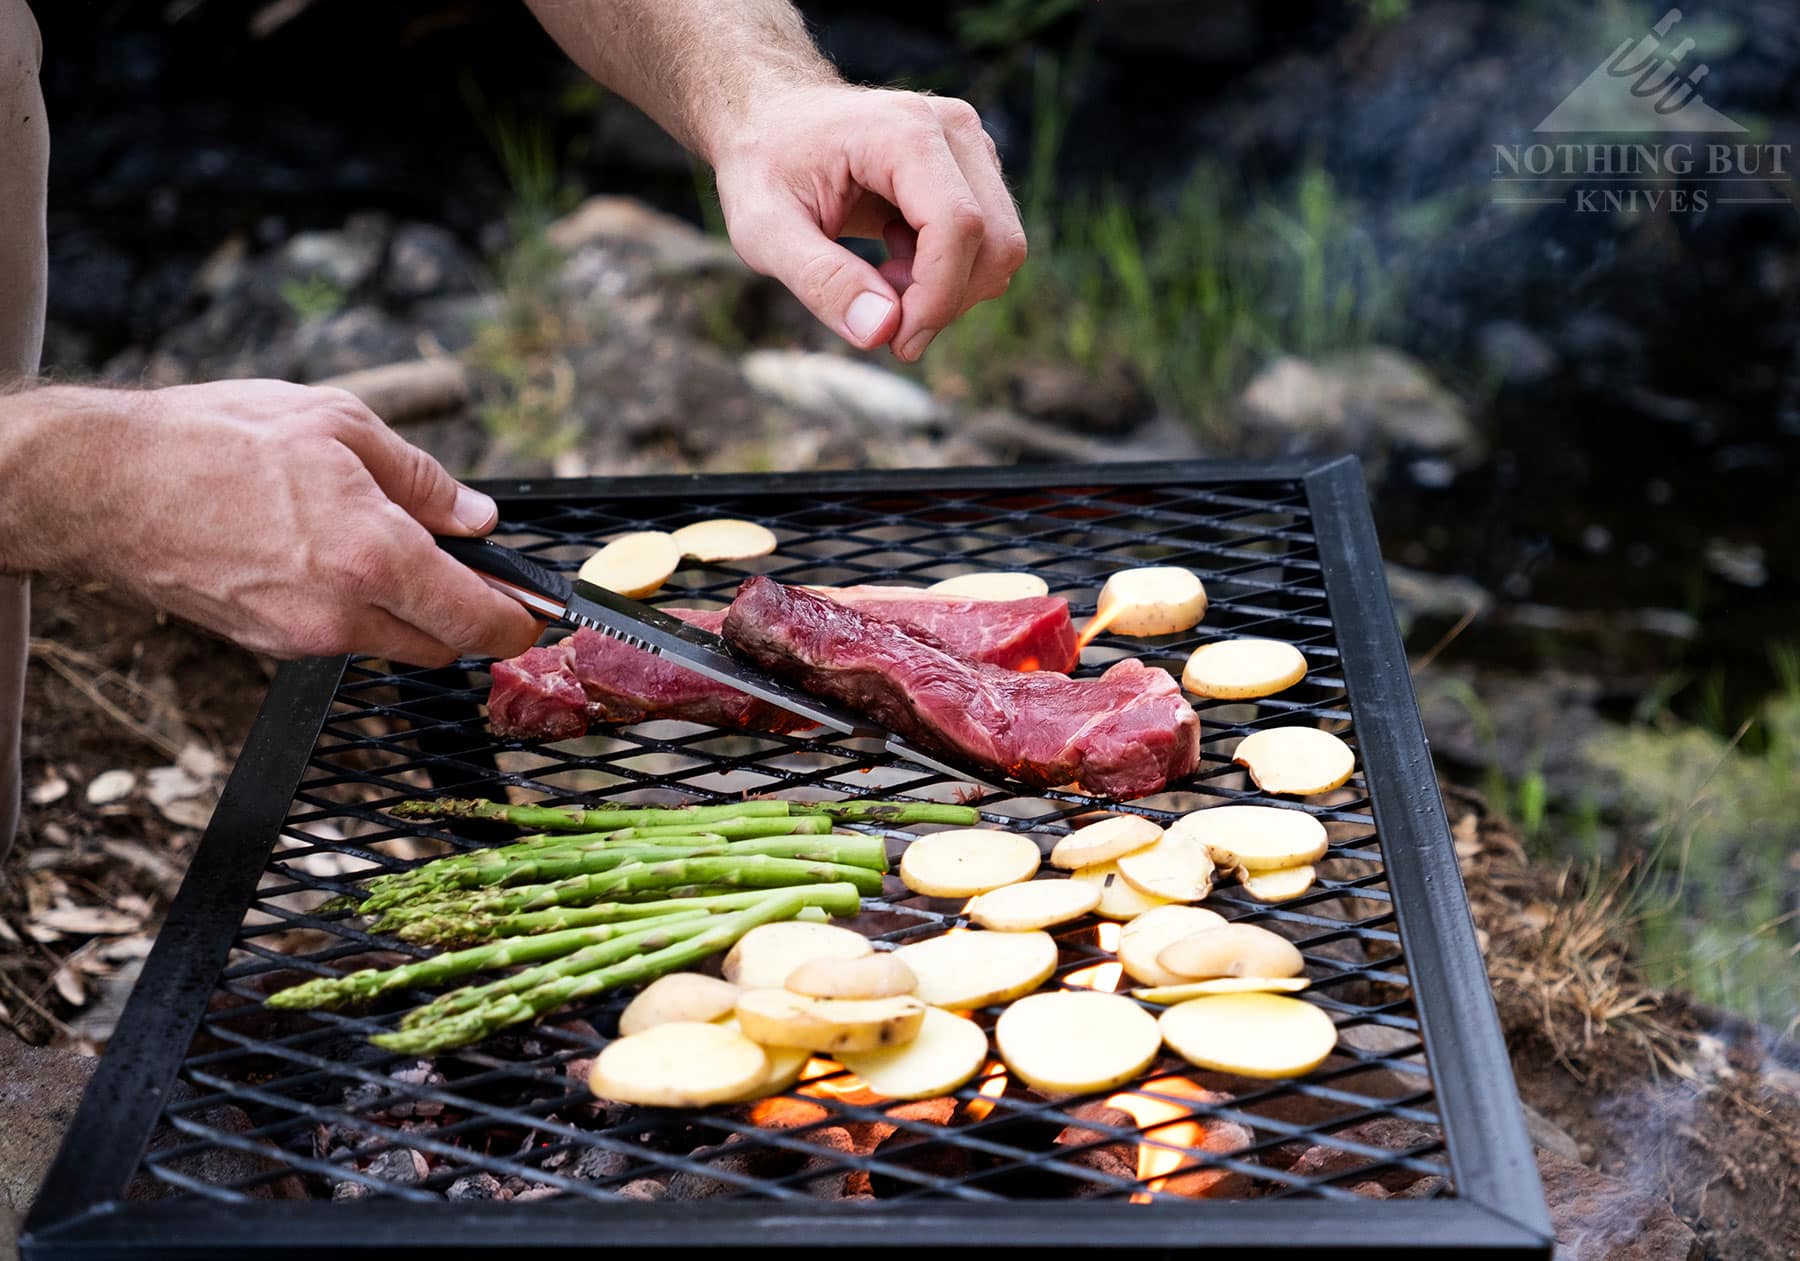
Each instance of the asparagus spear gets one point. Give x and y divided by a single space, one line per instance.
855 851
570 983
561 819
570 819
457 929
755 871
361 986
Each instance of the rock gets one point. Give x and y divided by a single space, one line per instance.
1598 1218
1391 1133
1374 402
1514 355
477 1186
39 1091
650 388
1548 1135
667 243
212 1164
110 786
1109 402
426 261
399 1164
360 337
833 385
449 324
345 259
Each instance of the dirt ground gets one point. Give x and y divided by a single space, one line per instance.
133 720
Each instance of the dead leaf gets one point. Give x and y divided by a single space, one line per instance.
110 786
68 983
189 812
164 784
202 763
87 920
51 790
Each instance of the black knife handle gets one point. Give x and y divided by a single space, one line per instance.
540 589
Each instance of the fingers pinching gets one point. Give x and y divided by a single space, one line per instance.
1003 247
847 294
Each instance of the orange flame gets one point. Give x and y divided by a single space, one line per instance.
1104 977
1098 623
990 1089
1158 1118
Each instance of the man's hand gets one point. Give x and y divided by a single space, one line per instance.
802 159
820 162
287 517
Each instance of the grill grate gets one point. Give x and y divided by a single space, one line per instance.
1286 552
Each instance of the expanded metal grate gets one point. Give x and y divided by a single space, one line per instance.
290 1132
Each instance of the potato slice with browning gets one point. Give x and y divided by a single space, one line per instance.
1241 669
961 971
1102 842
633 564
1118 900
1169 995
1284 884
766 956
1071 1041
1298 760
724 540
1256 838
1178 868
872 976
682 1064
828 1025
1017 908
1145 937
1008 586
1252 1035
1231 950
1157 600
946 1053
967 861
691 996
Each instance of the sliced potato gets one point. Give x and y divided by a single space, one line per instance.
1178 868
724 540
1145 937
872 976
1105 841
1252 1035
1231 950
1017 908
782 1018
967 861
682 1064
1283 884
767 955
1241 669
1169 995
1118 900
961 971
1255 838
785 1066
633 564
1298 760
1157 600
946 1053
690 996
1005 586
1075 1041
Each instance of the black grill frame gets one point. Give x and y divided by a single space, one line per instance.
1497 1206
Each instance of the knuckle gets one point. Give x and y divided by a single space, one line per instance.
966 219
959 116
364 567
321 633
1014 250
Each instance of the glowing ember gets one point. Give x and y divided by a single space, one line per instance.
1158 1118
1109 937
991 1088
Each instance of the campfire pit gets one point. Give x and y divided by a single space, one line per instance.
1408 1138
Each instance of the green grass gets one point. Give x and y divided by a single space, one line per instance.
311 299
1194 294
1719 860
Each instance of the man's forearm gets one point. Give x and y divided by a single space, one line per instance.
52 445
694 66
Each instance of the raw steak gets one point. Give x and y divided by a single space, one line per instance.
554 693
1125 734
